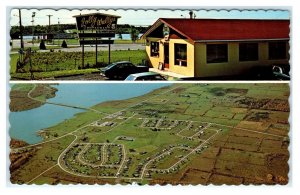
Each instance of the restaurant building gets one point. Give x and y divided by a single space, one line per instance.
216 47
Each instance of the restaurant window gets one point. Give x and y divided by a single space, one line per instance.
277 50
180 51
154 49
248 51
217 53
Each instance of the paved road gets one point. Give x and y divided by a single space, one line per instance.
114 47
84 77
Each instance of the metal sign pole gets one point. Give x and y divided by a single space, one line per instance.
82 54
96 52
31 71
109 52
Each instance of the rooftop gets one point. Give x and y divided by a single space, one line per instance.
197 30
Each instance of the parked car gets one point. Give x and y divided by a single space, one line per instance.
121 70
281 72
145 76
272 72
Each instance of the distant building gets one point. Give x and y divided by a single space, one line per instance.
216 47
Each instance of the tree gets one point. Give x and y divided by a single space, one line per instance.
42 45
120 36
64 44
134 34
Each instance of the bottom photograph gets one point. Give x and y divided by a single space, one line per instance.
149 133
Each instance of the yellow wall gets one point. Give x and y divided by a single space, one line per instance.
183 70
196 59
154 61
233 66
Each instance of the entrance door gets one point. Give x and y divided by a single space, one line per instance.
166 55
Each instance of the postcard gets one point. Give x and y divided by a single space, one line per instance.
179 97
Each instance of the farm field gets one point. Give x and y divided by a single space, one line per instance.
179 134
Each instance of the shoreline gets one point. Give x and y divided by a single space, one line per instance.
32 96
44 131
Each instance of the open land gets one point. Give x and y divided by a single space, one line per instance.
29 96
68 62
180 134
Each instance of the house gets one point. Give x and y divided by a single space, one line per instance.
216 47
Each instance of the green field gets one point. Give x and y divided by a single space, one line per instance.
149 141
54 64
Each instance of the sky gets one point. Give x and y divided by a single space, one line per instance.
138 17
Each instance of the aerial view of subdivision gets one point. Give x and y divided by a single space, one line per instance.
149 133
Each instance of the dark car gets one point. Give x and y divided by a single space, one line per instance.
121 70
281 72
145 76
272 72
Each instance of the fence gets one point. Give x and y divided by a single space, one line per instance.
59 61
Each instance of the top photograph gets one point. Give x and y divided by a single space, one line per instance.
149 45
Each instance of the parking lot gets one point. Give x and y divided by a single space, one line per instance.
84 77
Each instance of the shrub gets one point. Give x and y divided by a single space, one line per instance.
42 45
64 44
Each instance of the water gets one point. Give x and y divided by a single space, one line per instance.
29 37
125 36
25 124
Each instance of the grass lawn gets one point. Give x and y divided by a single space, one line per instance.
42 75
36 48
76 41
139 41
118 41
53 64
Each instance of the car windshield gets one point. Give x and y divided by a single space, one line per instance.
159 77
110 65
130 78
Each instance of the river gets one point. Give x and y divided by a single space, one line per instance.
25 124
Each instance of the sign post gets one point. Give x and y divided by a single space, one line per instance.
109 52
82 55
92 28
96 52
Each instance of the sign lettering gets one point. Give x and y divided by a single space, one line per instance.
97 22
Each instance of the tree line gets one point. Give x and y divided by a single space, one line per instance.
60 28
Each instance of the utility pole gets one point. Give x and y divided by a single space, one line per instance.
21 30
58 27
49 22
49 27
58 33
33 15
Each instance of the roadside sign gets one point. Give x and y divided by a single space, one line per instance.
96 25
103 23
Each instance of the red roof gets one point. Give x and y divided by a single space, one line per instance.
229 29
